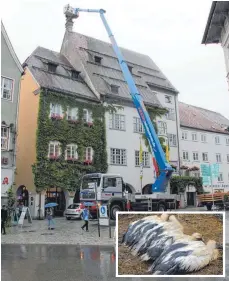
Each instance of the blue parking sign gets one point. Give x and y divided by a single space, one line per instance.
103 211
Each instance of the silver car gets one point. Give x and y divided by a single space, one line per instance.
74 211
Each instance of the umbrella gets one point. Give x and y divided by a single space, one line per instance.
49 205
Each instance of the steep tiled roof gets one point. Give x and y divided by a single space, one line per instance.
61 80
103 75
203 119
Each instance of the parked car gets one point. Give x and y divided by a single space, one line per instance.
75 210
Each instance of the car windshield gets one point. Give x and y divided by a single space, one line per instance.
89 183
73 206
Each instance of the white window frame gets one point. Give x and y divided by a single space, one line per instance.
87 115
220 177
170 115
217 138
11 89
56 110
172 140
56 149
204 153
203 138
88 154
168 99
227 141
194 154
184 135
73 152
5 138
162 128
145 159
138 126
218 158
72 113
194 137
118 153
117 122
185 153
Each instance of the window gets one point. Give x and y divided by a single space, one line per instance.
162 128
205 156
218 158
217 140
168 99
118 156
184 135
227 158
114 89
172 140
87 116
220 177
6 88
72 113
71 152
195 156
98 59
185 155
54 149
227 141
117 122
194 137
5 138
138 127
145 158
88 154
170 115
52 67
56 110
203 138
196 174
75 74
130 68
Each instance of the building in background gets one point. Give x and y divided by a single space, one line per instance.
217 29
204 140
11 72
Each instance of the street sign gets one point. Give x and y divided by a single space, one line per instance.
25 211
103 211
206 180
205 170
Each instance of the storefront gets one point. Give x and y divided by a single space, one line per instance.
6 183
56 195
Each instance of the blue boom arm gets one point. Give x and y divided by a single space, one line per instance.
165 169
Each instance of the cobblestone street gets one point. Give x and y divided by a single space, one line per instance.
66 232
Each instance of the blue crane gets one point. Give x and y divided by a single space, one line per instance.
165 169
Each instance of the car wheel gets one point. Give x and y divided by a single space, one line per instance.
161 207
114 209
67 218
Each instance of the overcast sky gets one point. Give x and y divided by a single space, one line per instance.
170 32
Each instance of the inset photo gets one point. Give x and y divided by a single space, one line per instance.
171 244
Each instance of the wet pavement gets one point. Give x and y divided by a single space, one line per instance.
67 263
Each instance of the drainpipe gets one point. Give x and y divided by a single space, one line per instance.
178 136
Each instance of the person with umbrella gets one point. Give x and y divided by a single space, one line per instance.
50 214
86 218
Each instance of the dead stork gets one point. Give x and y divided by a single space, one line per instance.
181 258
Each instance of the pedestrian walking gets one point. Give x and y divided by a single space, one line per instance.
3 219
86 218
50 218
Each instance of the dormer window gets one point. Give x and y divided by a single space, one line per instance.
98 59
75 74
130 68
114 89
52 67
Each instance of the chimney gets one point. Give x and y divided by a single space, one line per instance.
69 23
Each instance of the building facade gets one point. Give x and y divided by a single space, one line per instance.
205 140
11 72
217 29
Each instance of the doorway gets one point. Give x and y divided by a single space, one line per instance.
56 195
190 198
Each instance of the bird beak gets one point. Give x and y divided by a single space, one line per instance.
219 246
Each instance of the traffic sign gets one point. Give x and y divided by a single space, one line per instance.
215 170
205 170
103 211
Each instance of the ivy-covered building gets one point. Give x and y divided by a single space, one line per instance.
67 126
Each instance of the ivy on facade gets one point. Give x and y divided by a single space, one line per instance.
61 173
